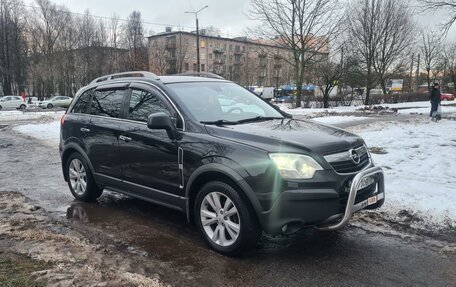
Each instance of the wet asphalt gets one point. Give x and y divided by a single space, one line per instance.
351 257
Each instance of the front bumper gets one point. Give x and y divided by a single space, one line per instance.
325 209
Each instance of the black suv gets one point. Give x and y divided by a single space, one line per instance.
233 163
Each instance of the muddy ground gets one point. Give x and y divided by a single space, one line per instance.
53 240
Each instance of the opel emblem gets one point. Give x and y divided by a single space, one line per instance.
355 156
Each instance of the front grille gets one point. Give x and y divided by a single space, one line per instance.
361 195
342 162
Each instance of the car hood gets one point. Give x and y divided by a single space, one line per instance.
288 135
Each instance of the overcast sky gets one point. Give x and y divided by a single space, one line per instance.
228 15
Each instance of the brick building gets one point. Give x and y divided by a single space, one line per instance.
238 59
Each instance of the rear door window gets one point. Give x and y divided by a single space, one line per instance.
82 103
107 103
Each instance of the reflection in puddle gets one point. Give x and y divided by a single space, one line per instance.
164 234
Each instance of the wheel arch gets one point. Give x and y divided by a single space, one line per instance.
69 150
219 172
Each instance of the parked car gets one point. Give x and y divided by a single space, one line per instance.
284 99
56 101
447 97
234 170
266 93
12 102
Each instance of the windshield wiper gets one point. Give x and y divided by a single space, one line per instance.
258 119
219 122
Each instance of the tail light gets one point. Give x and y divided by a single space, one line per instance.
62 119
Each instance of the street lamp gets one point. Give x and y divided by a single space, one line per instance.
197 37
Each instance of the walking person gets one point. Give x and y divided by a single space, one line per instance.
434 97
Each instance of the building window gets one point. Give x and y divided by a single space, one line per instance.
186 67
195 67
210 56
203 67
231 47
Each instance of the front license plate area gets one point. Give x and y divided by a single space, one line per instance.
372 200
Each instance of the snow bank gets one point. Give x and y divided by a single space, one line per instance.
18 115
48 132
420 166
425 111
332 120
404 108
313 111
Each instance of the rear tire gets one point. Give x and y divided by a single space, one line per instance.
80 179
22 107
224 219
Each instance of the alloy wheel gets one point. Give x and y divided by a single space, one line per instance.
220 219
78 177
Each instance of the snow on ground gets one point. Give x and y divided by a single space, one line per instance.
47 132
420 167
332 120
422 107
313 111
19 115
424 111
420 162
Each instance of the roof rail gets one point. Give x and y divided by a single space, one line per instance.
143 74
201 74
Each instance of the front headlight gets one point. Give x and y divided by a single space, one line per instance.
295 166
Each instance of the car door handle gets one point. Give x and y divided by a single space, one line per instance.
124 138
84 130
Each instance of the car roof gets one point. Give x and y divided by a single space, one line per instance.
162 79
187 79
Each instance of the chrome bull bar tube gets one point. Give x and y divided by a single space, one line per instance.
349 210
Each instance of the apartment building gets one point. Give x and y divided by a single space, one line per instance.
237 59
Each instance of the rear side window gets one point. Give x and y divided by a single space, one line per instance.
83 102
107 103
144 103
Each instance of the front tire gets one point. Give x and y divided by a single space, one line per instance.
22 107
50 106
80 179
223 218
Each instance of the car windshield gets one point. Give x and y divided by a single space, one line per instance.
222 102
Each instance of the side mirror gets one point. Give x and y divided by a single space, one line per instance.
162 121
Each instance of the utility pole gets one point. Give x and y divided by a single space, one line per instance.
417 74
198 69
411 74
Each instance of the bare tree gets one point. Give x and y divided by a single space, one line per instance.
159 62
133 33
13 58
305 27
430 48
46 25
395 34
114 44
328 75
447 5
449 54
